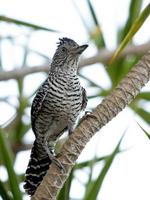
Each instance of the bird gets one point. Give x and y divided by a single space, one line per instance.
55 109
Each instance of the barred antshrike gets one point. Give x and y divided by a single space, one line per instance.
55 109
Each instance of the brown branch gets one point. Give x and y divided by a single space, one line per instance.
124 93
103 56
17 147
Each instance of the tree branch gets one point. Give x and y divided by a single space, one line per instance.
123 94
103 56
20 147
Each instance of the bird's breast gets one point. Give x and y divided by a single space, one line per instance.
65 95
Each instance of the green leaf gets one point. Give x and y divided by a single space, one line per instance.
134 10
93 13
23 23
144 95
146 133
90 182
20 127
119 68
26 51
116 71
138 23
96 184
3 192
142 113
90 162
6 156
97 33
22 130
81 17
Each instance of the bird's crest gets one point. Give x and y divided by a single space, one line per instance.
67 41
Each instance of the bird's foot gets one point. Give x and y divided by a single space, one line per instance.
56 162
86 115
54 159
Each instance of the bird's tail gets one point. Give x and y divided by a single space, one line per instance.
36 170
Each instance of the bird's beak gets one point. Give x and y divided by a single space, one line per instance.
80 49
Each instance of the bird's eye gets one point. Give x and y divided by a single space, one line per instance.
63 49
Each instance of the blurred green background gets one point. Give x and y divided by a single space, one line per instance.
29 31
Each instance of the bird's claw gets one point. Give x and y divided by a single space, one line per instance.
57 163
53 158
87 114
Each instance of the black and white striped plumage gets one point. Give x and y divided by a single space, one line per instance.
55 109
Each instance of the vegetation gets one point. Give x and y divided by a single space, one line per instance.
13 132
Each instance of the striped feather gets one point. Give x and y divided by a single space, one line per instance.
36 170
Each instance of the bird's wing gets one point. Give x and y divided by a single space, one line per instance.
37 104
84 99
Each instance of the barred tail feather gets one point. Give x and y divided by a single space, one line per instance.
36 170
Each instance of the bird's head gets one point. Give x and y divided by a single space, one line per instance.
67 54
